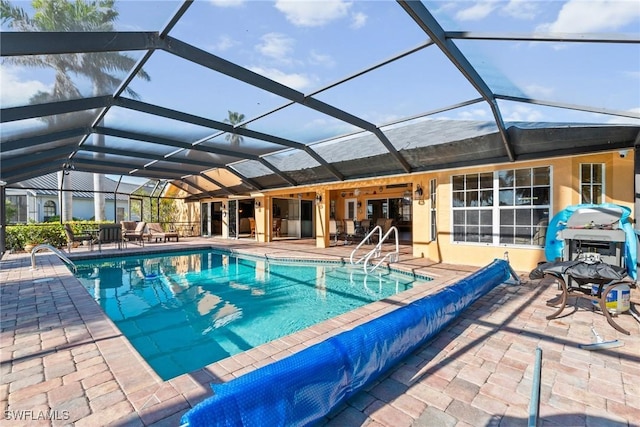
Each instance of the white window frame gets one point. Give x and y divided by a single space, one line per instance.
536 235
350 204
496 208
483 212
591 184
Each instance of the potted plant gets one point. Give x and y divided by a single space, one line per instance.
32 238
30 244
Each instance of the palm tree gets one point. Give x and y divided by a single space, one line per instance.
233 119
100 68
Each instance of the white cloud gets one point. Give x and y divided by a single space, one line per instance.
538 91
521 113
276 46
313 13
227 3
521 9
477 114
316 58
358 20
16 91
626 120
224 43
294 80
594 15
632 74
478 11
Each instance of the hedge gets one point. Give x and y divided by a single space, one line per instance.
20 235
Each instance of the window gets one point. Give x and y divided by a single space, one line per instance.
432 197
525 197
49 209
396 209
16 209
350 209
591 183
509 207
400 211
472 208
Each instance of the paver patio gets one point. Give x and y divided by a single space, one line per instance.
63 361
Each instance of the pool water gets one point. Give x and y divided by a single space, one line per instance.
183 311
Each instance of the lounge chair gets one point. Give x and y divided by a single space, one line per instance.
136 235
155 231
128 226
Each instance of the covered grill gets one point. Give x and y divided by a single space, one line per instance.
597 259
595 230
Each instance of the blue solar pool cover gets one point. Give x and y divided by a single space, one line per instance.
304 387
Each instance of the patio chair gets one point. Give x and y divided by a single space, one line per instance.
363 229
334 231
387 225
71 237
349 231
110 233
136 235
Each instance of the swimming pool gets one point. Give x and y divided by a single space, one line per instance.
185 310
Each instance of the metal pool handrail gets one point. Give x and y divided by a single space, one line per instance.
56 251
391 256
366 238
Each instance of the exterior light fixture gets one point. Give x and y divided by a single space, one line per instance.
318 199
418 193
257 203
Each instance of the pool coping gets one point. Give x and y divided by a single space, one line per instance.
150 398
60 352
194 386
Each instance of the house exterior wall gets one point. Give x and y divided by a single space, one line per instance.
564 186
565 191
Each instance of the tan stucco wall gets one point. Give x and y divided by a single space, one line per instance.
565 192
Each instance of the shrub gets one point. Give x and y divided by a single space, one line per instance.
20 235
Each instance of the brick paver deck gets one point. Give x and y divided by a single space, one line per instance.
64 362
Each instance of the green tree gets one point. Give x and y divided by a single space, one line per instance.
101 68
234 118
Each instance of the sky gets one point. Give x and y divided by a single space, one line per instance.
309 46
